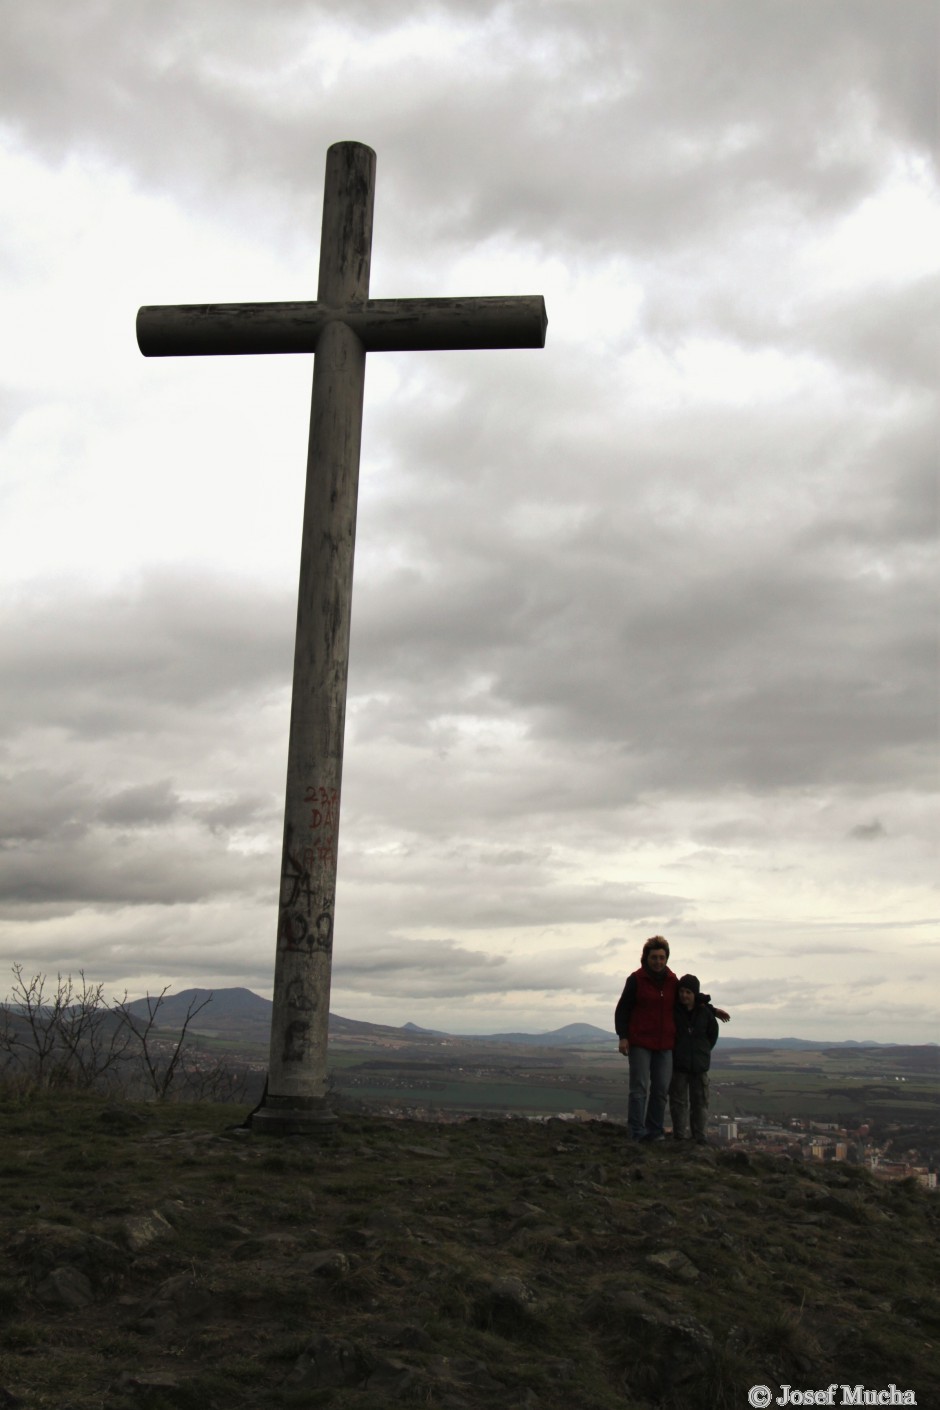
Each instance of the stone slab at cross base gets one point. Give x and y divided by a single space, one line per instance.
291 1116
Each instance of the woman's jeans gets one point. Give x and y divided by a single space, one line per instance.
650 1074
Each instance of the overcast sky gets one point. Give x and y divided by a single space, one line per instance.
644 624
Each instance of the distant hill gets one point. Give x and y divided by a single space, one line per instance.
793 1044
234 1015
573 1035
227 1004
241 1014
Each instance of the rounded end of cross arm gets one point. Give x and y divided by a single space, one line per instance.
151 328
352 147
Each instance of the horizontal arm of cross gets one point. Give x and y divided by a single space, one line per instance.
382 325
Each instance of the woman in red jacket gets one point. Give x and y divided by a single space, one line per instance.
646 1027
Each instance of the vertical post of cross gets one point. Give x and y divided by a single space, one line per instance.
297 1064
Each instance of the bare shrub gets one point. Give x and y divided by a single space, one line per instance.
72 1036
61 1037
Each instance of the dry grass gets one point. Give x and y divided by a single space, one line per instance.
485 1264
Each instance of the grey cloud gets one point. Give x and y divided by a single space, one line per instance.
722 669
768 121
235 813
38 803
49 809
165 696
127 945
886 517
141 806
444 880
443 969
737 102
891 331
66 842
106 664
869 832
509 857
379 963
885 330
721 626
100 872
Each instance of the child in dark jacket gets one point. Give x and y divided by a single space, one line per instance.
696 1035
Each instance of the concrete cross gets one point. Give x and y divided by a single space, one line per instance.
340 328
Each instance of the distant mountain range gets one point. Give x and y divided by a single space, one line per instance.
572 1035
240 1013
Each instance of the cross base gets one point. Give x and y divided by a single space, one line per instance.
291 1116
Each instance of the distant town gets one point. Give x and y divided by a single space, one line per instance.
800 1140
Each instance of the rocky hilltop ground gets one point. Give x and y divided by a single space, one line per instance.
159 1258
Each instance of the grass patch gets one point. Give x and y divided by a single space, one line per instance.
487 1264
